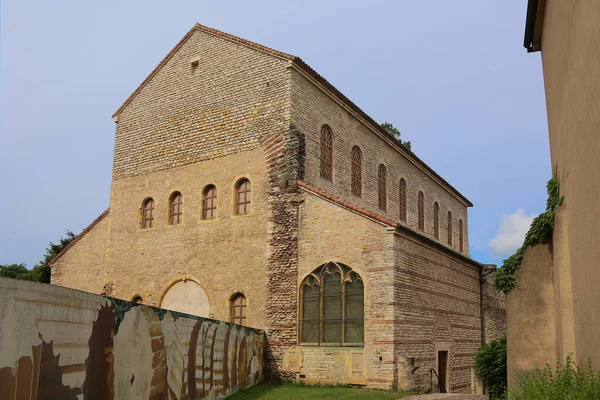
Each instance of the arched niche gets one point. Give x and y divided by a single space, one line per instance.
186 295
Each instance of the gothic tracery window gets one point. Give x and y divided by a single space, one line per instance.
356 171
326 153
332 306
382 187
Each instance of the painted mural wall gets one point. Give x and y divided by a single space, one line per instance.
59 343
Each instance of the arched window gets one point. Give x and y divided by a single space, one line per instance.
421 210
326 153
449 228
137 299
402 200
436 220
242 191
461 244
332 306
237 309
147 213
175 208
209 202
382 187
356 171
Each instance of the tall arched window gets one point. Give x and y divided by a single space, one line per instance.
461 244
356 171
332 306
421 210
175 208
436 220
147 213
237 309
449 228
382 187
242 191
326 153
209 202
402 200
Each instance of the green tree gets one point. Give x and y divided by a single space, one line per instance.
490 367
16 271
391 129
41 271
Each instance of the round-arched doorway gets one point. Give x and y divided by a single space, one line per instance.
186 295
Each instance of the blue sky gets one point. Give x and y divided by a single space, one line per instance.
452 76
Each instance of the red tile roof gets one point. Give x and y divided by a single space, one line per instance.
78 237
305 67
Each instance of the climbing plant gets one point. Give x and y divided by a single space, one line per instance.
539 231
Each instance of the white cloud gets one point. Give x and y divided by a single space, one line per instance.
511 233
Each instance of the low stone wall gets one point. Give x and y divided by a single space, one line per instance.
62 343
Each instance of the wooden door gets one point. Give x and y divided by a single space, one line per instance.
442 370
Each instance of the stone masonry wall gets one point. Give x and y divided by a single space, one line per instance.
311 108
328 232
438 309
82 265
225 255
183 115
494 309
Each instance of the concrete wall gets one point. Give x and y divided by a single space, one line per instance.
531 316
311 107
62 343
571 62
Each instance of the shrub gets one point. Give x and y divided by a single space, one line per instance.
490 367
566 382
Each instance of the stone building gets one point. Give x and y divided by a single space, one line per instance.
558 296
247 188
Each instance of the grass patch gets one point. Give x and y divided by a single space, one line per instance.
294 391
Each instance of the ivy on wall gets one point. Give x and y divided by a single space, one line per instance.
540 231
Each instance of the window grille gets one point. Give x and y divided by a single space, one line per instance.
243 196
382 187
326 153
421 211
175 209
356 171
238 309
402 200
461 245
436 220
332 306
148 213
449 228
209 206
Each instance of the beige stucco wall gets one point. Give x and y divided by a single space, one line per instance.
531 317
311 107
571 63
